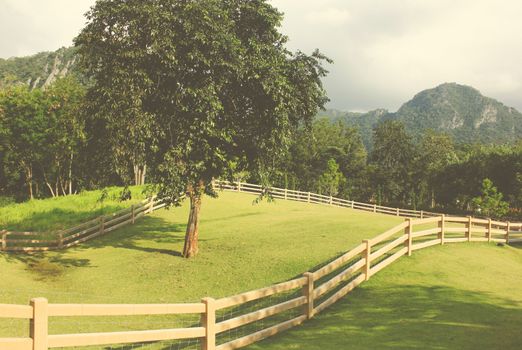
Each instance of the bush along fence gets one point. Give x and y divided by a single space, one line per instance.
40 241
303 297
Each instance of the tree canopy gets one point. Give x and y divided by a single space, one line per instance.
207 83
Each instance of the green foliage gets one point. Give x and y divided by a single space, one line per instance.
42 131
330 181
458 110
393 159
37 70
490 203
311 150
53 214
207 82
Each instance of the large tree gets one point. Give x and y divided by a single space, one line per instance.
210 84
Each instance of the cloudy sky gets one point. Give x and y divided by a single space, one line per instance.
385 51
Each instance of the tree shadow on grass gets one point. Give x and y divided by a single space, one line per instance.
148 234
409 317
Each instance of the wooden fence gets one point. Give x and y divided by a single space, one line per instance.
309 197
316 291
41 241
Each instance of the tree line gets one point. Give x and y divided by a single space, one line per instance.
50 146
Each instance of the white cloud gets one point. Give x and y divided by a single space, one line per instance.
389 50
385 51
30 26
330 16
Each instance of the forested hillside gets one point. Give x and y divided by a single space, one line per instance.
38 70
459 110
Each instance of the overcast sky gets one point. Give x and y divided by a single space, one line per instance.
385 51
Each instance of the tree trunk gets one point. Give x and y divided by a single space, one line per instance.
143 173
70 174
29 180
192 234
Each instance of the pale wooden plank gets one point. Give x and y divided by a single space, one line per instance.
265 333
87 339
426 220
340 293
334 265
124 309
457 240
16 311
381 265
385 249
325 287
427 232
426 244
388 233
259 314
260 293
16 344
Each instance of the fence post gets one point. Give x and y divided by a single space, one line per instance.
286 193
367 253
398 212
470 225
331 200
102 224
422 214
4 240
133 213
375 208
489 230
352 204
151 205
508 228
208 321
39 325
442 224
308 293
60 240
308 197
239 186
409 231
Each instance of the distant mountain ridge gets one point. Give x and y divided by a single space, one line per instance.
459 110
38 70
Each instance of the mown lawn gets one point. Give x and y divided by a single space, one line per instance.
464 296
461 296
243 246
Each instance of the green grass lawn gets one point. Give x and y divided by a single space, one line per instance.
41 215
242 247
439 296
461 296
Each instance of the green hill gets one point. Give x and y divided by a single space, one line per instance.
38 70
458 110
462 296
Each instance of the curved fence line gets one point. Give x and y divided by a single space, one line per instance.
310 197
306 296
42 241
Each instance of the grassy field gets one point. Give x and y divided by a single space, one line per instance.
243 246
462 296
52 214
435 299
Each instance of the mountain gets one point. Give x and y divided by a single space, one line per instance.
459 110
38 70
